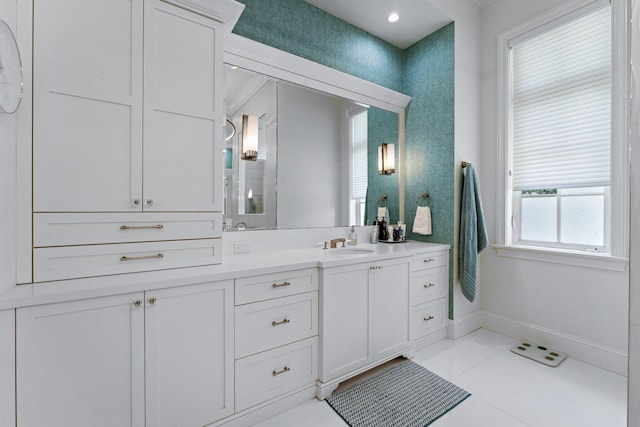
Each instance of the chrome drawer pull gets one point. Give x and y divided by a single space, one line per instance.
135 258
276 373
280 285
430 285
274 323
428 260
141 227
137 303
426 319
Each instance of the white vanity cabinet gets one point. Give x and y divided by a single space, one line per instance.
276 344
165 356
7 368
365 317
428 292
127 122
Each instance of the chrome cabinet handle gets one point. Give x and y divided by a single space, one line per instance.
428 260
135 258
136 202
375 268
280 285
282 322
137 303
151 300
148 202
285 369
430 285
426 319
141 227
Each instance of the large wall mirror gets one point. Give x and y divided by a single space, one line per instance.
298 156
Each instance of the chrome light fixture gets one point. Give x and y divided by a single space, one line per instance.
386 159
249 137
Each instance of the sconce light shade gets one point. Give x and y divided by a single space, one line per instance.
249 137
386 159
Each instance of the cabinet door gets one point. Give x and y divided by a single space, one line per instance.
189 354
183 110
81 363
390 320
87 117
345 320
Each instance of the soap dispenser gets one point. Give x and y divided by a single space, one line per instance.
353 237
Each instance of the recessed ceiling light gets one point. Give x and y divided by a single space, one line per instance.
393 17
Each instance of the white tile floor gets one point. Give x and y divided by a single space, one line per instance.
507 390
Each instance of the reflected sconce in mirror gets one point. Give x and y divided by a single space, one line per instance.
249 137
386 159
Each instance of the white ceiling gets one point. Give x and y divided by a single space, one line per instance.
418 18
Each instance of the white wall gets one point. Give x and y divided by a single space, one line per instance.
466 15
581 310
634 342
310 196
8 178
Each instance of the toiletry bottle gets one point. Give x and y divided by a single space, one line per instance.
382 233
374 235
353 237
400 233
390 233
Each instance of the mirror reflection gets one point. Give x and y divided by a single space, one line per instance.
300 158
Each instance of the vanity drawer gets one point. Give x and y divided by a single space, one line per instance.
427 285
64 229
268 324
268 286
429 260
68 262
426 318
275 372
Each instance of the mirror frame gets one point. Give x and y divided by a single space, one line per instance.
255 56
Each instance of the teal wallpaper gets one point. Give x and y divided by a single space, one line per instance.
425 71
382 128
429 163
304 30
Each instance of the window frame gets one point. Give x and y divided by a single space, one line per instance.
617 224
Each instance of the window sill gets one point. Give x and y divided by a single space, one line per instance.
564 256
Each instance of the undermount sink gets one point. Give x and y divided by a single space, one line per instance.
352 251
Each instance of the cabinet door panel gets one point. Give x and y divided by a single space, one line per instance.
189 354
345 320
183 110
390 308
87 128
80 363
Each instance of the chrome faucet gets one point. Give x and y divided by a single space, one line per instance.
335 241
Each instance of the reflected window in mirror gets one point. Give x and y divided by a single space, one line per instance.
359 169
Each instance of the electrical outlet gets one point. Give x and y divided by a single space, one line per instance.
241 248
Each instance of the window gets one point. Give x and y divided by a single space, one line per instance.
359 161
559 132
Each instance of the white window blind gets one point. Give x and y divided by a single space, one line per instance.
561 106
359 157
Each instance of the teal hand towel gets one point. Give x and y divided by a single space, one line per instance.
473 233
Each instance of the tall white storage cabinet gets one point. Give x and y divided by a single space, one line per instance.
127 132
166 356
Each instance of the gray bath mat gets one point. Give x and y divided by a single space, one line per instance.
402 395
539 353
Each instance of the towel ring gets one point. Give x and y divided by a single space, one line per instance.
424 196
382 199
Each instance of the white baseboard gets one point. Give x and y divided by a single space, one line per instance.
586 351
461 327
267 409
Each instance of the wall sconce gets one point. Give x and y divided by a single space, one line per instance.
249 137
386 159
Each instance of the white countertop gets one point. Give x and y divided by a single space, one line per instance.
232 267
